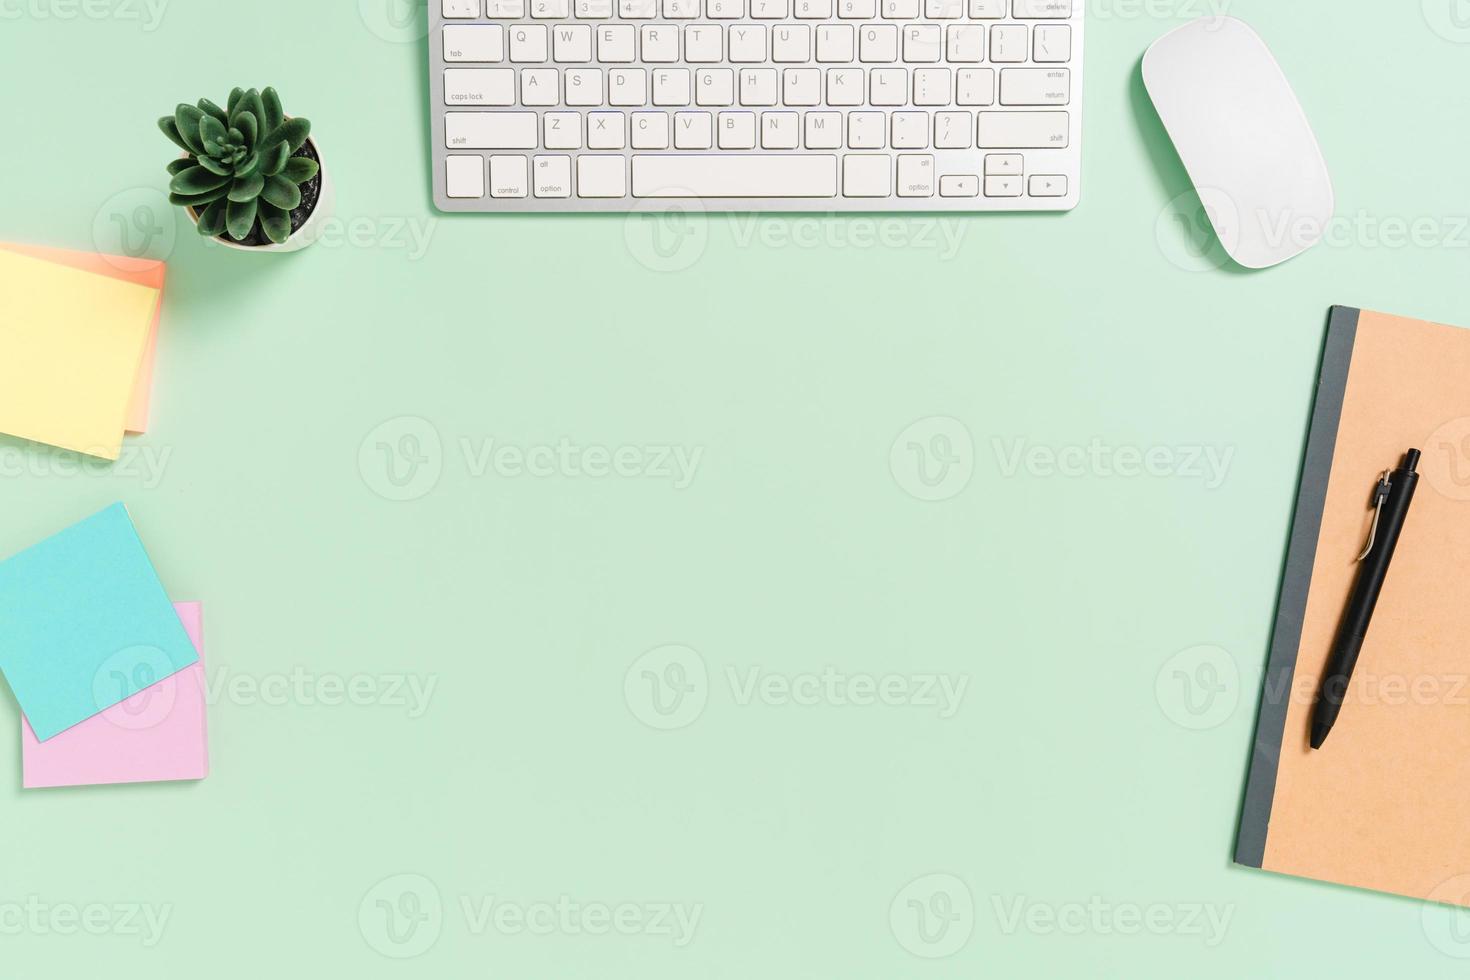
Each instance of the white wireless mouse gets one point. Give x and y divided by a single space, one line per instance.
1243 138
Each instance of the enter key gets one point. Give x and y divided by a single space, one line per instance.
1035 86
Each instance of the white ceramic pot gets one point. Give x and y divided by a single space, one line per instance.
308 233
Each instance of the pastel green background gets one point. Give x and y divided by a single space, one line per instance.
1090 761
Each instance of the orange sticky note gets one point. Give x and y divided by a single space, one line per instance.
143 272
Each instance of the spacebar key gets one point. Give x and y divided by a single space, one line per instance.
734 175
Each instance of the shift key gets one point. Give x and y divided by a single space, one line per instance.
1022 130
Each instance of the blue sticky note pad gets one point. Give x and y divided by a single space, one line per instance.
85 623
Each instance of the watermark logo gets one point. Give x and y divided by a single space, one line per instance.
131 920
127 691
402 916
933 916
666 235
1207 464
402 459
1447 459
135 224
1445 918
1198 688
940 237
667 687
933 459
1450 19
147 14
396 21
1101 917
1197 230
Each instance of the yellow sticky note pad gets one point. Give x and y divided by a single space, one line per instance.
70 346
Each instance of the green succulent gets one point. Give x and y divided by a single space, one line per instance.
241 168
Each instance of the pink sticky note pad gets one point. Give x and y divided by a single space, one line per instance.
157 735
143 272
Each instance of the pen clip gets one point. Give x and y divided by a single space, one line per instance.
1380 494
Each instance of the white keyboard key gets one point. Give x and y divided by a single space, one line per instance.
714 86
465 176
747 43
801 86
505 9
1002 186
571 43
878 43
703 44
959 185
671 86
954 130
966 43
528 43
461 9
561 130
915 175
758 86
1048 185
932 86
1022 130
650 130
508 176
660 43
551 9
693 131
637 9
583 86
615 43
552 176
490 130
813 9
823 130
845 86
857 9
479 86
888 86
791 44
899 9
1008 43
714 176
1037 9
681 9
737 130
539 87
606 131
724 9
481 42
592 10
987 9
921 42
1035 86
770 9
866 130
779 130
1004 164
944 9
866 175
910 130
1051 43
601 176
975 86
627 86
834 43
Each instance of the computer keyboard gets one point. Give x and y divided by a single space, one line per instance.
756 105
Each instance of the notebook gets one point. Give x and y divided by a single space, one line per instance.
1385 803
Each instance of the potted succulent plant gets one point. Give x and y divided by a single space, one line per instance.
251 177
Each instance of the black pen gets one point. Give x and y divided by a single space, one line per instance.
1391 498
